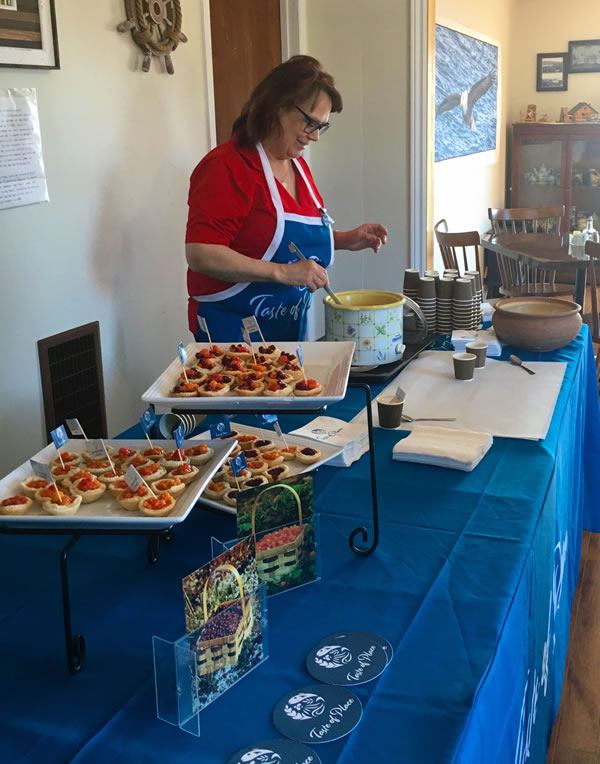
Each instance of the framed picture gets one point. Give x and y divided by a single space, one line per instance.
28 34
552 71
584 56
466 93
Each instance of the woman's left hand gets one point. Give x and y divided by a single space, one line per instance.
367 235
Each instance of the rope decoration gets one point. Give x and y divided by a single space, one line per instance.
155 27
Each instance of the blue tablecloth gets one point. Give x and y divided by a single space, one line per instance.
472 583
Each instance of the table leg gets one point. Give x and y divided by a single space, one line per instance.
580 279
74 643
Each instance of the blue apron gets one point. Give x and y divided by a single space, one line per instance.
281 310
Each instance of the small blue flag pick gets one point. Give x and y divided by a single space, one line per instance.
59 436
300 355
182 353
179 435
238 464
267 418
218 429
148 420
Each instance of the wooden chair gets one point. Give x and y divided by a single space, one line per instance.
593 319
466 244
521 279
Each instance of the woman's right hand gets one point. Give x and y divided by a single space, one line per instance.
306 273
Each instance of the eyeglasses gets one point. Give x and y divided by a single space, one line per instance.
312 125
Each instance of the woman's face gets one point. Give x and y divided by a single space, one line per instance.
292 140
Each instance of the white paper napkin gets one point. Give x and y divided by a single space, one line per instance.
442 447
351 436
460 337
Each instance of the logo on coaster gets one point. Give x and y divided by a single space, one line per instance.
349 658
317 714
275 752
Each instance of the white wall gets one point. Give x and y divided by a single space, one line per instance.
465 187
555 23
119 146
362 164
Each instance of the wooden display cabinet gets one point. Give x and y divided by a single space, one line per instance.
555 163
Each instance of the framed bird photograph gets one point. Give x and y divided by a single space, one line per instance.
466 93
552 71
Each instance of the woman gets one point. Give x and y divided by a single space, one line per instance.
254 195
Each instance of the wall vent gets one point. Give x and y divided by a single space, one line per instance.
72 383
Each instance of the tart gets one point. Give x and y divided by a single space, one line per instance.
155 453
97 466
278 473
68 457
50 493
271 351
61 473
159 506
173 459
308 387
199 454
285 358
174 486
111 476
215 489
243 475
214 351
289 452
68 506
308 455
87 457
249 387
264 445
213 388
255 481
239 350
294 371
251 453
89 488
32 485
273 457
152 471
230 496
247 441
258 466
194 374
208 365
280 376
130 500
77 475
274 388
15 505
185 390
117 486
185 472
260 369
138 461
123 455
234 366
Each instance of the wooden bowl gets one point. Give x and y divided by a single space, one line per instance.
536 323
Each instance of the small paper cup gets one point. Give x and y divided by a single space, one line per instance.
389 410
464 366
479 350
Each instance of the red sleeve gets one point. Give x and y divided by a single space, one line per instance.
220 198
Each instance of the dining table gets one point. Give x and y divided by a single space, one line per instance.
472 584
546 252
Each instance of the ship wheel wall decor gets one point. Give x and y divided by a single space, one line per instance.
155 26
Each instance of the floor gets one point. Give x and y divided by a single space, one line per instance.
576 733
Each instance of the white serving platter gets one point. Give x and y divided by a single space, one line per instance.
327 362
106 513
328 452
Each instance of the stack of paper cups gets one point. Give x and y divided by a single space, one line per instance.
478 294
443 291
462 304
411 283
426 299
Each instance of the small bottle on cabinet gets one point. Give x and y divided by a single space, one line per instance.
589 232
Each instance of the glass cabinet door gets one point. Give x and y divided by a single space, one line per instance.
585 183
539 173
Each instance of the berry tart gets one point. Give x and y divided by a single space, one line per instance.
239 350
159 506
285 358
209 365
306 387
185 472
276 389
231 496
278 473
255 481
248 386
308 455
214 351
194 374
270 351
234 366
264 445
89 488
293 370
185 390
15 505
213 389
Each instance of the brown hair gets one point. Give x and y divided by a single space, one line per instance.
297 80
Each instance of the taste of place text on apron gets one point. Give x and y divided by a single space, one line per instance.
280 310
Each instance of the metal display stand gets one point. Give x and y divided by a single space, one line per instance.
362 531
75 643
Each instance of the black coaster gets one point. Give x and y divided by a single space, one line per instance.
319 713
275 751
348 658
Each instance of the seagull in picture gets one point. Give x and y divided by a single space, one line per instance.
467 99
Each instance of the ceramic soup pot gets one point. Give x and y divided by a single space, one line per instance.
536 323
